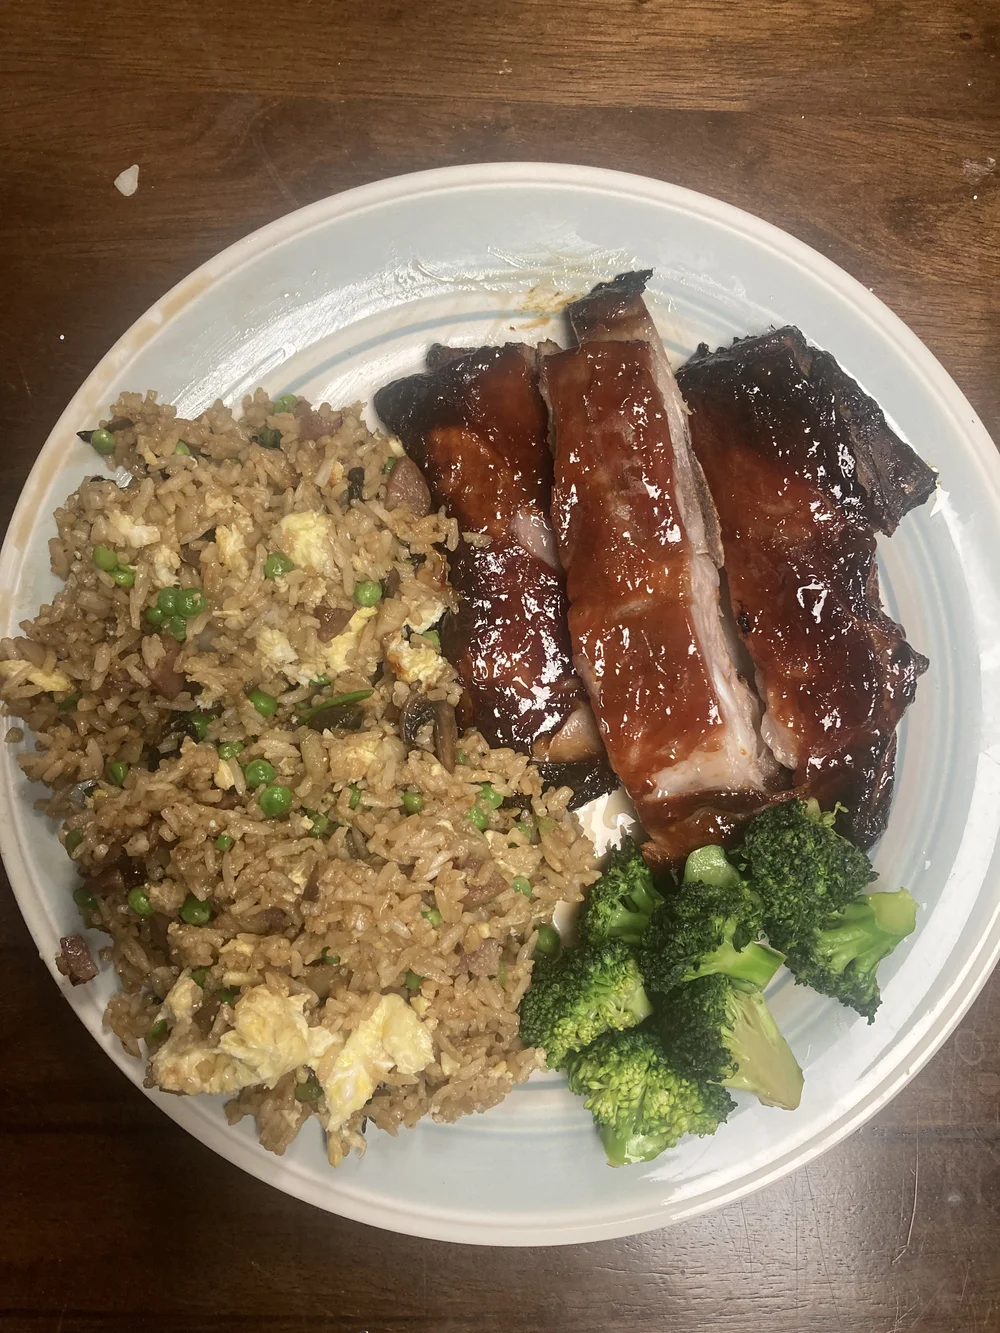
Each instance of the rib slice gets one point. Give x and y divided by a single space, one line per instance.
804 470
639 540
476 425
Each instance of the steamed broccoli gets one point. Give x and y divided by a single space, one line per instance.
580 996
711 865
642 1106
803 871
842 959
619 905
718 1030
706 927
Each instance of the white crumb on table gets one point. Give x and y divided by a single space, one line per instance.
127 181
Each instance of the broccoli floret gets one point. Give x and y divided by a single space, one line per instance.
802 869
580 996
703 928
640 1105
619 905
718 1030
842 960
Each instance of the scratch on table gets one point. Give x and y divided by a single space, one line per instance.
272 170
913 1206
965 1282
819 1242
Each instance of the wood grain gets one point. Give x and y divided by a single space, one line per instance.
870 129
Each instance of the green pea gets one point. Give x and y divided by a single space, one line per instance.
433 916
85 900
309 1091
138 900
388 465
183 449
258 773
265 704
490 797
522 885
330 959
124 576
73 839
277 564
103 441
355 800
71 701
191 602
546 825
176 627
479 817
319 824
548 943
200 723
286 402
166 600
223 842
230 749
154 615
432 636
269 437
461 757
195 911
319 682
158 1030
104 558
199 975
368 592
413 802
229 995
412 980
275 801
524 828
116 772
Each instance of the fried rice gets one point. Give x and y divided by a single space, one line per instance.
315 904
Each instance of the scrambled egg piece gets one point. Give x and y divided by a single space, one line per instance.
428 613
129 533
412 661
307 539
358 754
276 650
56 681
166 563
338 649
232 550
393 1037
270 1038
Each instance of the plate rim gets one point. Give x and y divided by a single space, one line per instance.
915 1051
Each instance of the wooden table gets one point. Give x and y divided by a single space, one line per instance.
869 129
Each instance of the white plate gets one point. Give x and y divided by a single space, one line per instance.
334 300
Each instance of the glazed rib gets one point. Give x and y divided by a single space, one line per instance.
639 540
804 470
476 426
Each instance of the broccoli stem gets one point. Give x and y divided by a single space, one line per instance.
710 865
764 1061
756 962
623 1149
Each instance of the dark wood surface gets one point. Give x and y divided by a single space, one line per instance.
870 129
